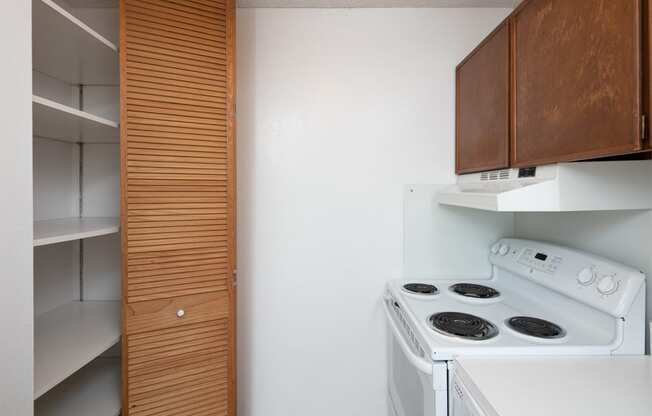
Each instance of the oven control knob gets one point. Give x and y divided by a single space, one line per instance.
586 276
503 250
495 248
607 285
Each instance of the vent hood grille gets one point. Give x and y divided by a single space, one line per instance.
495 175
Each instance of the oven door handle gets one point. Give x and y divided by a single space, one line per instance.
421 364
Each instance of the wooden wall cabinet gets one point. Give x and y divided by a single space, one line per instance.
576 80
646 45
482 105
579 76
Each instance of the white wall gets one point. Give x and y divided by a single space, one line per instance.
16 321
337 110
441 242
625 237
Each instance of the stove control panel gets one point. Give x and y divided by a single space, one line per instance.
599 282
605 282
539 260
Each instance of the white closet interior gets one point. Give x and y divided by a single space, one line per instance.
77 264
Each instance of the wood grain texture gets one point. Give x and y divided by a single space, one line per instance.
162 314
576 80
178 206
646 76
179 371
482 105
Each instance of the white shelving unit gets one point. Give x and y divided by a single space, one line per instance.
69 337
93 390
66 48
76 193
69 229
57 121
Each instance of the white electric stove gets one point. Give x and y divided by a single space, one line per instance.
541 299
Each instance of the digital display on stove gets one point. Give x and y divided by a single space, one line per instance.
541 256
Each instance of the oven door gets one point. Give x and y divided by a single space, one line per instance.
417 386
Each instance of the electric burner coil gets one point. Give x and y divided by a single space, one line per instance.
421 288
535 327
462 325
472 290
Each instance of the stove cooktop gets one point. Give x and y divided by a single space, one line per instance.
539 298
450 324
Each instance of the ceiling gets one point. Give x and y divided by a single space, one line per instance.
376 3
333 3
92 4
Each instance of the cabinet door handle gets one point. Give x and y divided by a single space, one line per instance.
180 313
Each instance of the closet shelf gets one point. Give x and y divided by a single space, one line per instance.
68 229
57 121
93 390
68 49
69 337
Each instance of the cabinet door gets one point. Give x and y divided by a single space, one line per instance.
646 46
482 106
577 71
177 140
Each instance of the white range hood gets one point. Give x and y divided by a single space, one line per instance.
577 186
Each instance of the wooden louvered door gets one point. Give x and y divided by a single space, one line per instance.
178 207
